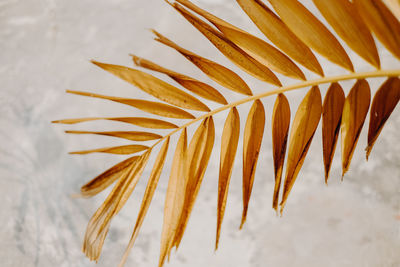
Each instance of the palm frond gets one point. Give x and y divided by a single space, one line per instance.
294 34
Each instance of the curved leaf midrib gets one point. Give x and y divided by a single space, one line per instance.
282 89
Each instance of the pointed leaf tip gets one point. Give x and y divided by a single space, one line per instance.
383 104
229 143
156 108
280 129
252 138
119 150
355 110
331 119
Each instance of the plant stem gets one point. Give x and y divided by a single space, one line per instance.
351 76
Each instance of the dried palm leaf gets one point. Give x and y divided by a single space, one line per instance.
229 143
230 50
382 22
279 34
295 33
174 198
191 84
215 71
252 138
384 102
304 125
142 122
311 31
148 196
331 119
354 113
102 181
197 157
254 46
280 130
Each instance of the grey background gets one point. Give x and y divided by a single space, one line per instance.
45 48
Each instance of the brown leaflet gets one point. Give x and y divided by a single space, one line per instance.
102 181
252 138
394 6
174 198
129 135
142 122
355 110
198 155
382 22
229 143
343 16
155 87
303 128
119 150
279 34
280 129
148 196
311 31
331 119
230 50
215 71
254 46
191 84
98 225
144 105
384 102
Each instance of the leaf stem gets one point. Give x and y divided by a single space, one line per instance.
351 76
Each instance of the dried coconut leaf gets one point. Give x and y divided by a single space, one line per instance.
384 102
139 121
105 179
252 45
303 128
280 130
119 150
130 135
382 22
155 87
174 198
229 143
98 225
355 110
198 155
253 134
202 89
148 196
331 119
144 105
311 31
343 16
215 71
279 34
230 50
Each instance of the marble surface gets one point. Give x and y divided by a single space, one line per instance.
45 49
